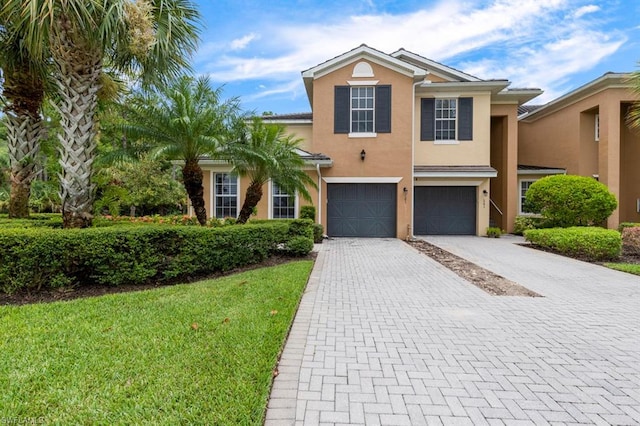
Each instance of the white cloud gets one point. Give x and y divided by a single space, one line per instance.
580 12
243 42
535 43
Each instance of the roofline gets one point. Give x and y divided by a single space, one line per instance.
290 121
437 65
495 86
542 172
519 96
607 81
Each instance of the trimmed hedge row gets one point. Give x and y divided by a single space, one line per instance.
42 257
590 243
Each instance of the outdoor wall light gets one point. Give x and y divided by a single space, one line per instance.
485 192
363 154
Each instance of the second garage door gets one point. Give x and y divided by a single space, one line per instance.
361 210
444 210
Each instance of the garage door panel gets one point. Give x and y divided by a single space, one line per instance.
445 210
361 210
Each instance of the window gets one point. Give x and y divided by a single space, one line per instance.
226 195
362 110
283 204
597 127
524 187
445 119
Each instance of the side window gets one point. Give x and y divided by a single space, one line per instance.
226 195
524 187
283 204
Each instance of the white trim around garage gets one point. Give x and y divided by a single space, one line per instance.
362 179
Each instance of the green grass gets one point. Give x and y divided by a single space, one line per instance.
632 268
139 358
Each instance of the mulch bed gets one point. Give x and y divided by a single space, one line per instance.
488 281
47 295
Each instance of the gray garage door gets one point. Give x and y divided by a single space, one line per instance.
361 210
444 210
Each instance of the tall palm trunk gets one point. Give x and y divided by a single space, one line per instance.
253 196
79 66
25 130
192 178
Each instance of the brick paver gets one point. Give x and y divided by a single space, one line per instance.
385 335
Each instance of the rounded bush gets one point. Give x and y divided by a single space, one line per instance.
567 200
299 246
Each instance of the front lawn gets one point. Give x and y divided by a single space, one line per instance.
196 353
632 268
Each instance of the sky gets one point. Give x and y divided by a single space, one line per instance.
258 49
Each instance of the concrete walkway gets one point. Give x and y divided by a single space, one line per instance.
385 335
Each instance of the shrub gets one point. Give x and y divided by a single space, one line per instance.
567 200
631 240
627 225
524 223
308 212
318 233
589 243
299 246
117 255
494 232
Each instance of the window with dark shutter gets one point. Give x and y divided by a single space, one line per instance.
341 111
383 109
427 119
465 119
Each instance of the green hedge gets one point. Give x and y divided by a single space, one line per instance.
42 257
590 243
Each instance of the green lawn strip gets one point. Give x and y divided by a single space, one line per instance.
197 353
631 268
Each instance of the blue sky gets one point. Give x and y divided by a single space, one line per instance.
257 49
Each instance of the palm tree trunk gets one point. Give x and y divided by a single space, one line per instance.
23 134
79 67
192 178
251 200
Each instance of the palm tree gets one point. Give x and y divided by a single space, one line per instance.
146 38
23 94
633 116
185 120
266 153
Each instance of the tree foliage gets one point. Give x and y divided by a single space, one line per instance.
265 152
567 200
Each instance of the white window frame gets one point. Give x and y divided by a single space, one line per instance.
272 204
522 194
216 195
358 89
445 141
596 130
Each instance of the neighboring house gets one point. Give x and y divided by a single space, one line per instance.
585 133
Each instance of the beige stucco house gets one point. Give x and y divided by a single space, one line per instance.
401 145
585 133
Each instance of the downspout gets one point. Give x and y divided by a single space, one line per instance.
410 235
319 193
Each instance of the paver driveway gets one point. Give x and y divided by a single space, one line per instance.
385 335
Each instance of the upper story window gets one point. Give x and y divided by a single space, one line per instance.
597 127
362 111
226 195
446 120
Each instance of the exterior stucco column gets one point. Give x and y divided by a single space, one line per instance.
609 152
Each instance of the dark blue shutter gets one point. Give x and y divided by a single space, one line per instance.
341 119
465 119
383 109
427 119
